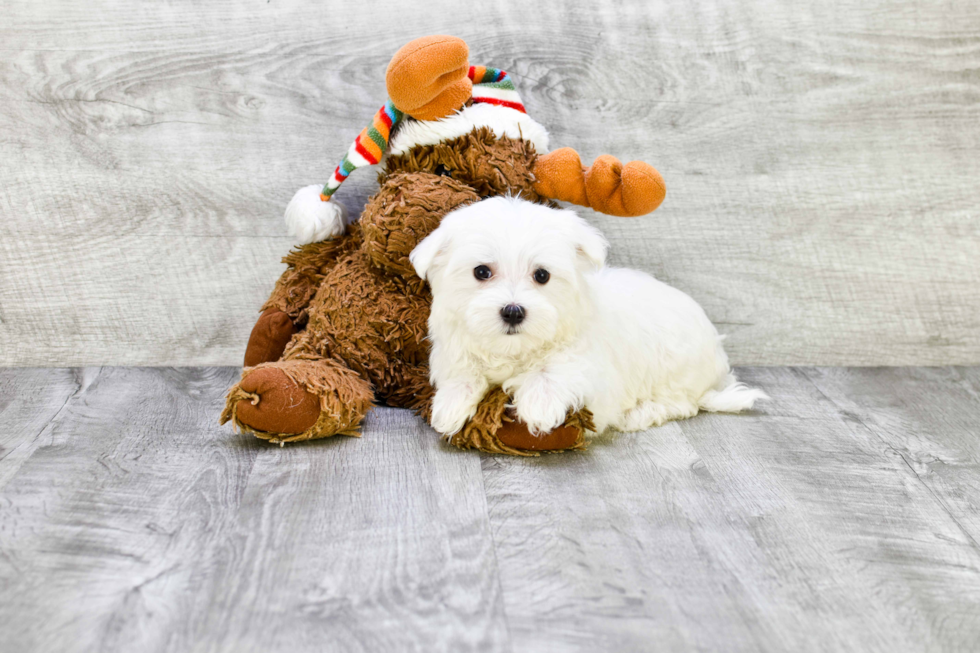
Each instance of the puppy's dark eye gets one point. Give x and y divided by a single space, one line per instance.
482 272
443 171
541 276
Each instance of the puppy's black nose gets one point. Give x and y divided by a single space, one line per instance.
512 314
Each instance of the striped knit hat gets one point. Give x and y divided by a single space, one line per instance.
490 86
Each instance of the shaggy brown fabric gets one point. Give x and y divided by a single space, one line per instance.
494 430
307 265
365 310
407 208
269 337
488 165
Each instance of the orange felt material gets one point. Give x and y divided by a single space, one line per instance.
625 191
608 186
427 78
559 176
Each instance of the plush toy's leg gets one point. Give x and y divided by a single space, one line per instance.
493 430
270 335
302 397
285 311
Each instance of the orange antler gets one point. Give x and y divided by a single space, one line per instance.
607 186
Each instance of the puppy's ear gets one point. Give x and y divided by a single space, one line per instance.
425 253
590 244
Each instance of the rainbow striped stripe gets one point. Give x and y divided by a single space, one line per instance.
367 148
494 86
490 86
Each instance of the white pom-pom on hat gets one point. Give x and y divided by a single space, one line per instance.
310 219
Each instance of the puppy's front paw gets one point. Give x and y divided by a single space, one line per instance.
452 407
540 407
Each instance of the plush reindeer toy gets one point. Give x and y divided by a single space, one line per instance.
346 322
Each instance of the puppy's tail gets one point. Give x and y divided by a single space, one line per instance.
734 398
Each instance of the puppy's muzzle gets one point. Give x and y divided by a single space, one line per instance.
512 314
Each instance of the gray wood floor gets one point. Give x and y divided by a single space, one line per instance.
821 160
843 515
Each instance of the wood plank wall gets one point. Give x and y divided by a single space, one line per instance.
821 160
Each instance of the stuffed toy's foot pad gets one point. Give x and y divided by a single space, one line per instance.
282 405
517 435
495 429
269 338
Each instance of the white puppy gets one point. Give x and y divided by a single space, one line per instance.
521 299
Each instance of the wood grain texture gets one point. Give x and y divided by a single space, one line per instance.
928 417
820 161
841 516
797 528
30 403
140 524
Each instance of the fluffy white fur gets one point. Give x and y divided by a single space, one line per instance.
633 350
504 121
310 219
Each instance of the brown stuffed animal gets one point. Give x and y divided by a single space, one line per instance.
346 323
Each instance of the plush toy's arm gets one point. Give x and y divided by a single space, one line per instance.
607 186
